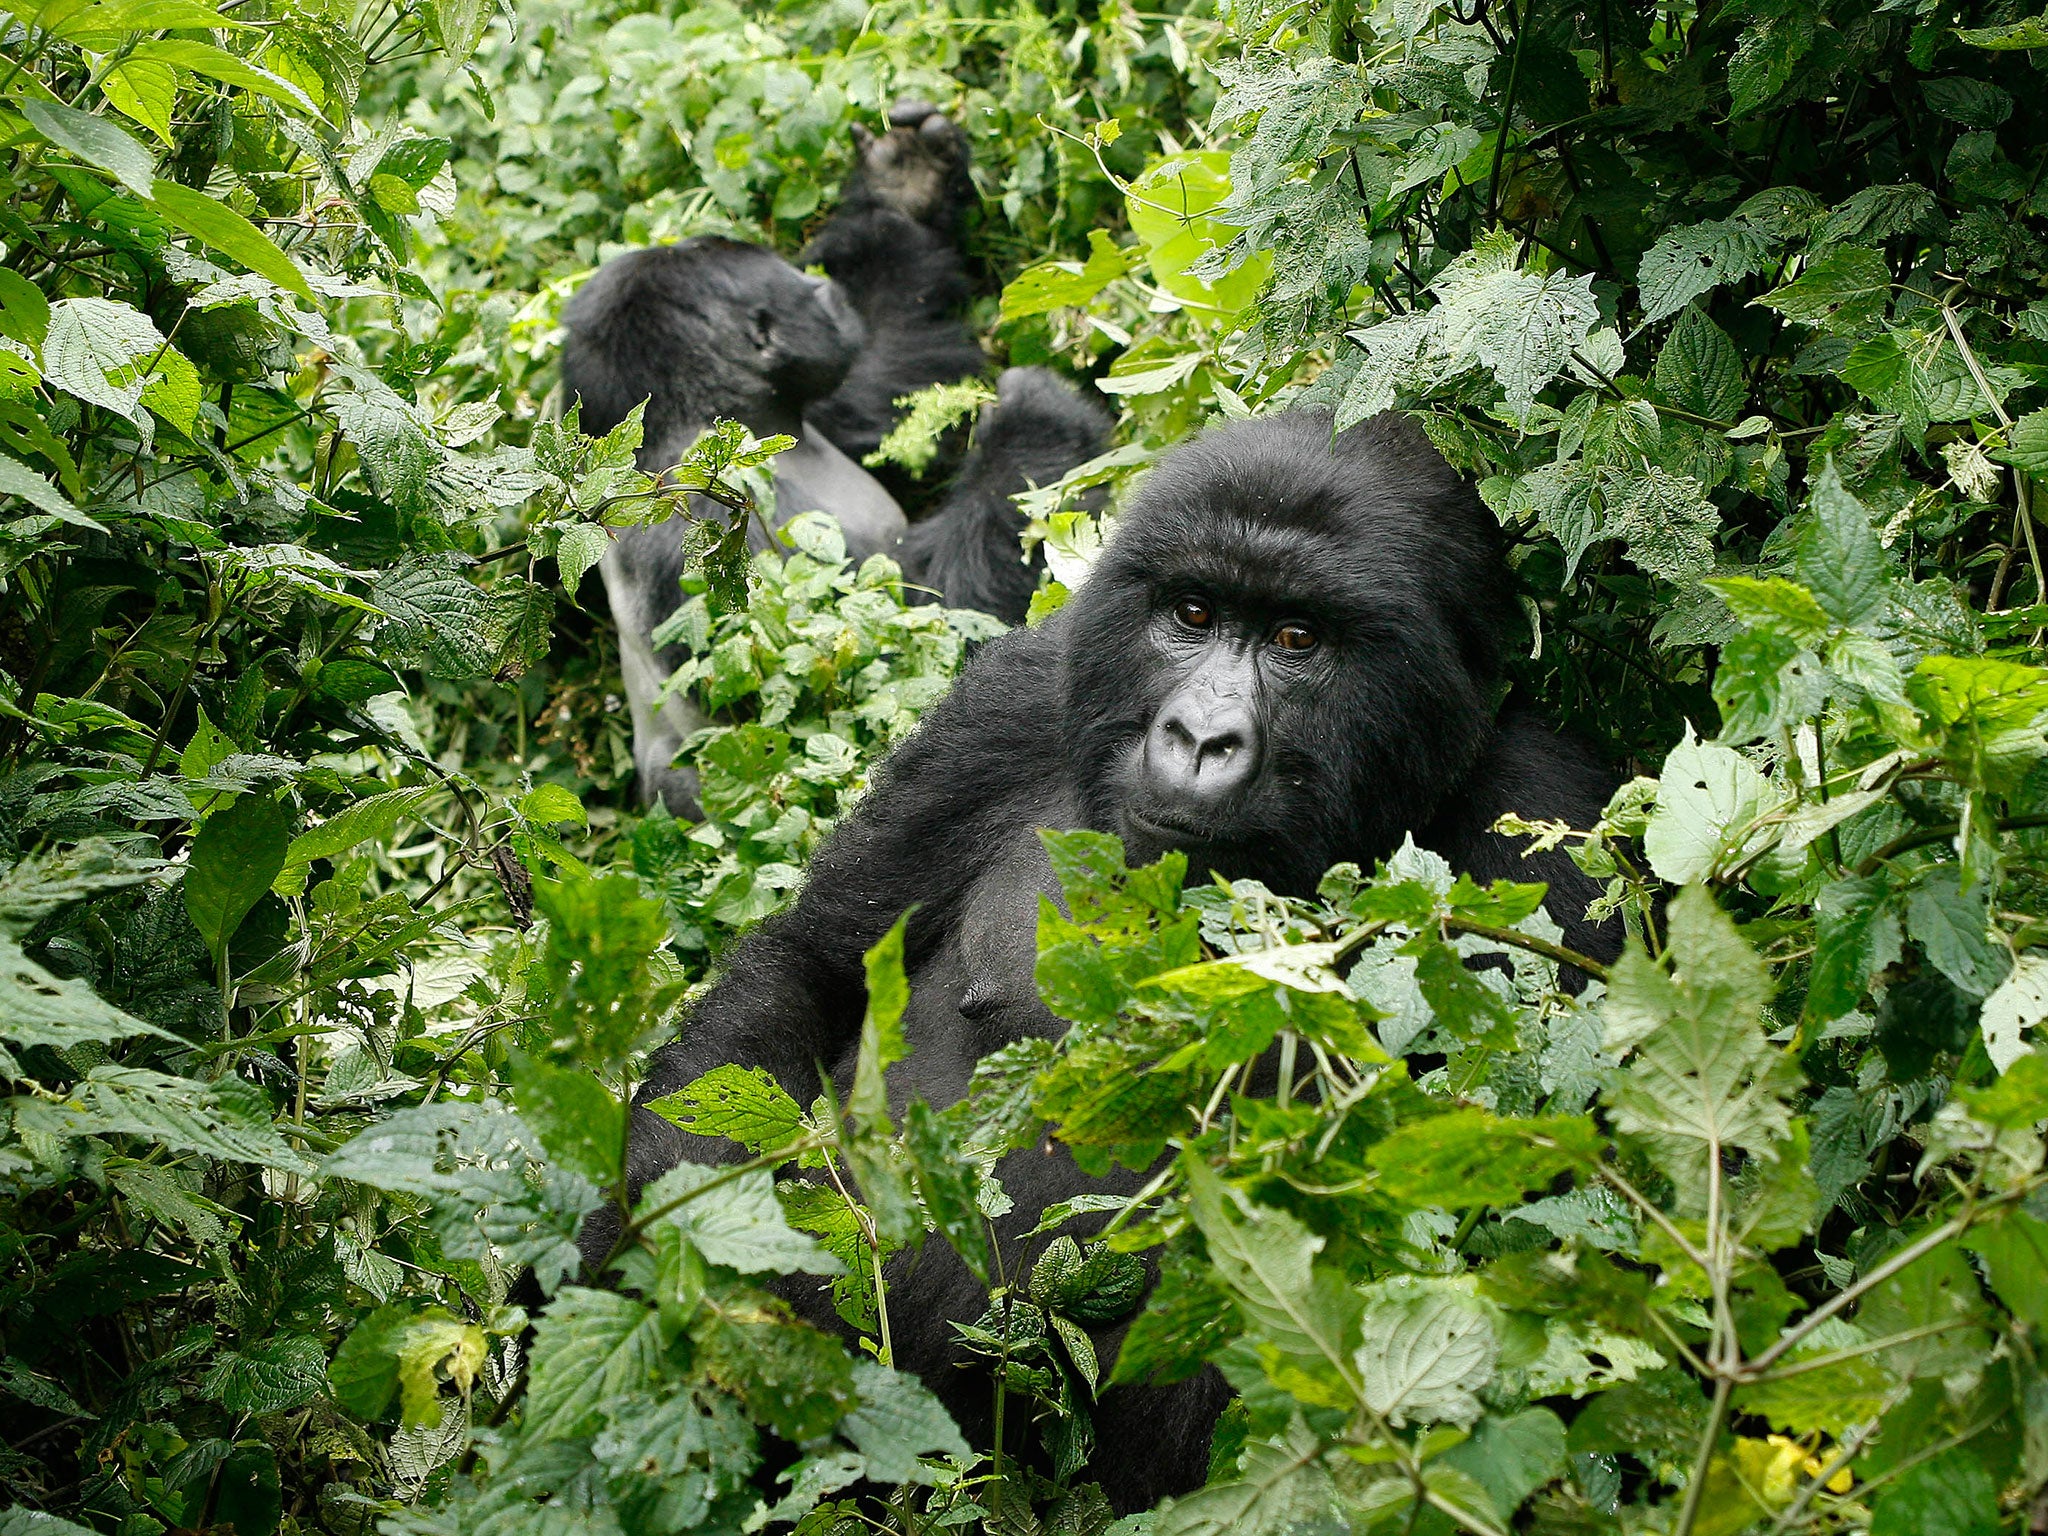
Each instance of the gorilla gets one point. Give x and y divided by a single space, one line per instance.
712 327
1286 657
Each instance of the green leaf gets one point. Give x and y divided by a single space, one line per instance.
882 1043
739 1225
1283 1489
1703 1080
552 805
1172 208
796 1380
24 312
1707 799
1766 57
896 1421
218 64
1266 1258
1954 927
1839 557
2012 36
1782 607
2017 1099
949 1184
1687 262
219 226
1844 291
2027 444
1471 1157
268 1376
1856 935
1061 285
1187 1318
580 547
146 91
373 817
1830 1398
589 1348
1511 1457
364 1371
1666 520
579 1120
37 1008
1698 368
1948 1495
743 1104
2015 1251
94 140
228 1118
1426 1353
238 853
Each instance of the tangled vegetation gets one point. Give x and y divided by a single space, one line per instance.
330 942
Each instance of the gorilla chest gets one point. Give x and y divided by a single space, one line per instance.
975 992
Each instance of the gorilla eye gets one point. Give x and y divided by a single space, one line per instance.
1294 637
763 327
1194 613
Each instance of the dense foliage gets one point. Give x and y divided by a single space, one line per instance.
329 943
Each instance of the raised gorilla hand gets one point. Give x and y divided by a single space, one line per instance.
918 167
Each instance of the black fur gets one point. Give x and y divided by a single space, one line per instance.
1383 727
969 555
893 248
714 328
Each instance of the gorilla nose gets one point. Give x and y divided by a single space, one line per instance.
1201 752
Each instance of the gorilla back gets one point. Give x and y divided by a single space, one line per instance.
1283 660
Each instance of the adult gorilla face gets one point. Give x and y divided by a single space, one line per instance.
1286 654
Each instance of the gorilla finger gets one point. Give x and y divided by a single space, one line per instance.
863 140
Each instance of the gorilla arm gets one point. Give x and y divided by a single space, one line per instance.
792 994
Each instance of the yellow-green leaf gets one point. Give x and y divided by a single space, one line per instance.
229 233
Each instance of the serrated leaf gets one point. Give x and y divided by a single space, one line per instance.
2018 1004
579 1120
269 1376
1666 520
740 1225
1844 290
229 1118
437 616
1954 927
896 1421
1707 797
1696 259
1266 1258
744 1104
1840 558
882 1043
581 546
1703 1079
1471 1157
373 817
92 343
1698 368
1425 1356
37 1008
218 64
589 1348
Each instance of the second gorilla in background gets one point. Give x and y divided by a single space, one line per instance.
711 328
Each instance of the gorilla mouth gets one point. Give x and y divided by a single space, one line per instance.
1176 832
